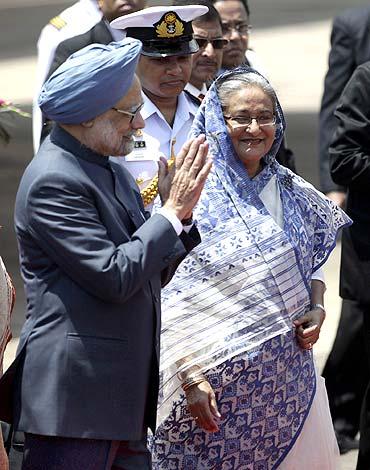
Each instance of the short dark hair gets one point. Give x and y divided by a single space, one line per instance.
211 15
243 2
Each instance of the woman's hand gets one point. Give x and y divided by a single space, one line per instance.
202 406
308 327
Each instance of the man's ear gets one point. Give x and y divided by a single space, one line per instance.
88 124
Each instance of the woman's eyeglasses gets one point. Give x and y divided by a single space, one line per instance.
242 28
243 122
132 115
217 43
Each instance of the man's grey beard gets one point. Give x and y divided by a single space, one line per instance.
129 147
103 136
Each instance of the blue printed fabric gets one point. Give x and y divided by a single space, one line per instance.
230 306
263 399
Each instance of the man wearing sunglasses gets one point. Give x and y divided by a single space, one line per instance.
207 61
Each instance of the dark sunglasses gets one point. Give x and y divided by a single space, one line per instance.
217 43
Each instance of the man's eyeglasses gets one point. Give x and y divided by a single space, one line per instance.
242 28
217 43
132 115
243 122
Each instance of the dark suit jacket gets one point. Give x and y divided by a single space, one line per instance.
97 34
350 163
350 47
87 363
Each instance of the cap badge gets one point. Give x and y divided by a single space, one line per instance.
169 26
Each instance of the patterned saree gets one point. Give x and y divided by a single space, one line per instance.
230 307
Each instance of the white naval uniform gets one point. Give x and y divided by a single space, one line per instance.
157 139
77 19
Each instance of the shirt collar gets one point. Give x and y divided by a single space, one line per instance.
183 110
195 91
66 141
185 107
149 107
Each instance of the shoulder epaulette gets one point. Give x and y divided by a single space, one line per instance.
58 22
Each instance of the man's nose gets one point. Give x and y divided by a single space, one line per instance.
234 35
209 50
138 121
174 68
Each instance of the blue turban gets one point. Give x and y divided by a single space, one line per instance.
90 82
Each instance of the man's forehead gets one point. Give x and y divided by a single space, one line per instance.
231 10
204 27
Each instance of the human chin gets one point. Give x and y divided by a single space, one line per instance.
173 88
251 149
128 146
206 72
124 147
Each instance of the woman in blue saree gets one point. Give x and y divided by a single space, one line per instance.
239 388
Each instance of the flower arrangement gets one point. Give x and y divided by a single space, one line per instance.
7 113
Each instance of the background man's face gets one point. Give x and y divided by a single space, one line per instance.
233 15
164 76
112 9
207 61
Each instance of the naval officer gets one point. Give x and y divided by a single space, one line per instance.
164 69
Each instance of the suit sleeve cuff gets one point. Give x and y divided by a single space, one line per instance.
172 219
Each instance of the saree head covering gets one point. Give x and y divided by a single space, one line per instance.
249 278
90 82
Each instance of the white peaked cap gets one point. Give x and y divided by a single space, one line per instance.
149 16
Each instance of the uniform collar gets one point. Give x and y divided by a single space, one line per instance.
185 108
66 141
195 91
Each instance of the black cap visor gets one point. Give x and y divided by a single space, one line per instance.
170 47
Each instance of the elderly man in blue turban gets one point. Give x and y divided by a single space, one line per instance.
84 384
